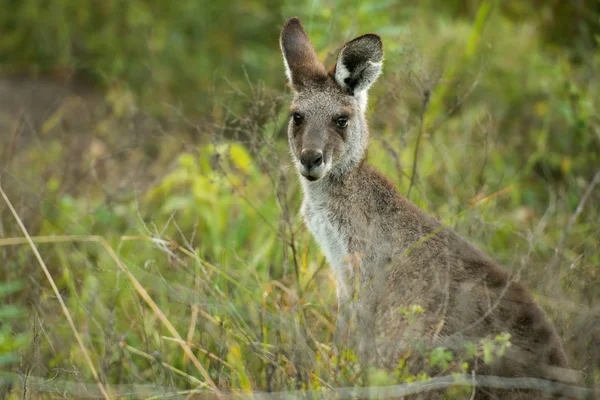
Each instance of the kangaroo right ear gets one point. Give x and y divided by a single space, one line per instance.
299 56
359 63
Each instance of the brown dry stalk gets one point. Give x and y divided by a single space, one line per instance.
191 329
208 353
150 357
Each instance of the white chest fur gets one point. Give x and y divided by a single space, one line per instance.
331 238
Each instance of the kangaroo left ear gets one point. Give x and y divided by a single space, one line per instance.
359 63
300 59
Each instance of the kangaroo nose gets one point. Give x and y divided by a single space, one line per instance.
311 158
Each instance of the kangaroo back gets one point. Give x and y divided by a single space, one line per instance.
403 279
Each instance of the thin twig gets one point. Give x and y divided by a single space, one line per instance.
457 105
487 313
563 240
63 306
425 104
474 390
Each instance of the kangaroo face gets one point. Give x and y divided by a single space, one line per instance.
324 125
327 130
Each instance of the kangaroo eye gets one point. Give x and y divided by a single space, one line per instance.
342 122
297 118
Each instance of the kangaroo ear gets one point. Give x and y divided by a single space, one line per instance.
359 63
299 56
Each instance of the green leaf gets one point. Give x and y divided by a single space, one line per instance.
7 288
441 357
10 311
8 358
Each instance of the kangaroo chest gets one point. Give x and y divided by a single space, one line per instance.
332 236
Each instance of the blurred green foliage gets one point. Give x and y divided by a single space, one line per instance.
10 341
182 165
190 51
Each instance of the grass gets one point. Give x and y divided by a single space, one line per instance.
173 239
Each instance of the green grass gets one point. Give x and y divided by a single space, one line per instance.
172 182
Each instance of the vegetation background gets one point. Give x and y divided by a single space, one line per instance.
143 146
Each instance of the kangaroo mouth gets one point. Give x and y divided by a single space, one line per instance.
312 174
310 177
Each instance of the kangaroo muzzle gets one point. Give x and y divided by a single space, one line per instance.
312 164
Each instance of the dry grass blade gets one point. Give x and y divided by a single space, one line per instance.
208 353
190 254
158 312
63 306
191 328
150 357
136 284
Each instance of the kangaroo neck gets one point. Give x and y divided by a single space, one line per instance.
333 185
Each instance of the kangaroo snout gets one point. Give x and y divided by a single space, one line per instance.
311 158
312 164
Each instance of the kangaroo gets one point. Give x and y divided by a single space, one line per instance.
385 252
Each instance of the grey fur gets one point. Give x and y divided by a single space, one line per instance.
386 253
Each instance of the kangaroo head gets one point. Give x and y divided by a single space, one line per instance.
327 130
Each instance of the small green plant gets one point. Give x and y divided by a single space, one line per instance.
412 312
494 348
440 357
